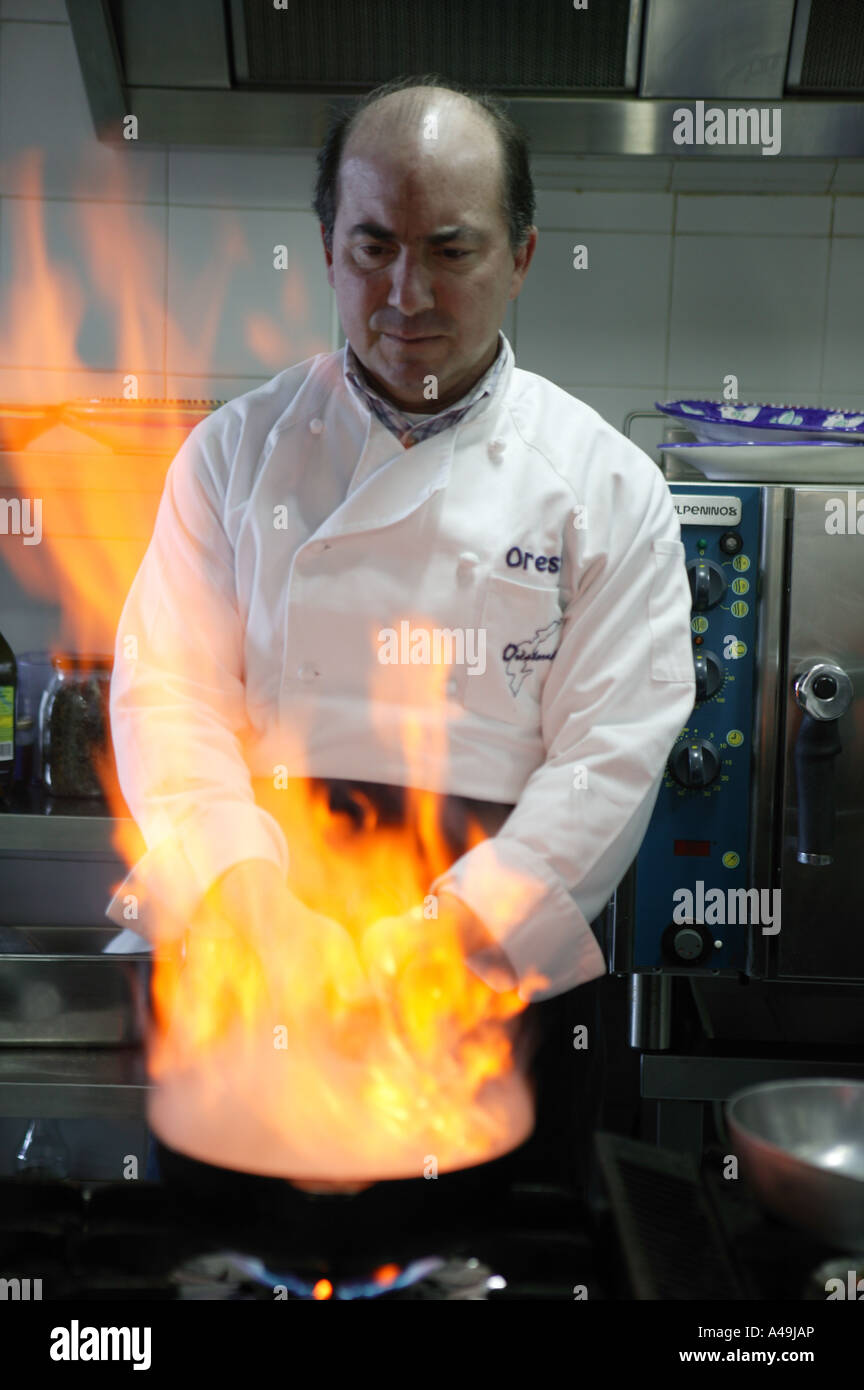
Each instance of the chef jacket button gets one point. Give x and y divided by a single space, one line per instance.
452 686
465 567
316 425
306 673
495 448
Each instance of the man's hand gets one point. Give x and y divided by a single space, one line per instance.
418 969
475 937
308 961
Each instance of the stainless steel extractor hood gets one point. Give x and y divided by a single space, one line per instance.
582 76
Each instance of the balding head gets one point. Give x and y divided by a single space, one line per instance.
426 122
414 129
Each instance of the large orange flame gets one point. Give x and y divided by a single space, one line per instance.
378 1053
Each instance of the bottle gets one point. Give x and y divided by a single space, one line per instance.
74 725
34 671
43 1154
8 684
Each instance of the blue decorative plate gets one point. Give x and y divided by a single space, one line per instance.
715 422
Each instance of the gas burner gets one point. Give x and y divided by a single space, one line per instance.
457 1279
234 1277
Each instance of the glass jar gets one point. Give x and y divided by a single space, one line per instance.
74 726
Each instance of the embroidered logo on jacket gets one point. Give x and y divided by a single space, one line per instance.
521 657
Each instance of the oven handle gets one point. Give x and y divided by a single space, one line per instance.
824 693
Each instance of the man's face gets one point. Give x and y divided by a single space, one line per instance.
421 263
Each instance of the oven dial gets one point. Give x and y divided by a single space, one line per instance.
695 763
709 674
707 584
688 944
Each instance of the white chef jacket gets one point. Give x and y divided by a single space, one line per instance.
532 521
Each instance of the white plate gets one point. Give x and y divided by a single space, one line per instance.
773 463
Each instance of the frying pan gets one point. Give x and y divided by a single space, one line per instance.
801 1144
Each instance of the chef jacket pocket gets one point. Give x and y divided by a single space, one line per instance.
671 648
521 627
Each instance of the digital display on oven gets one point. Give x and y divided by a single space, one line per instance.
693 848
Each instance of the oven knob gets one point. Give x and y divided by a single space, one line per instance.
709 675
707 583
687 944
695 763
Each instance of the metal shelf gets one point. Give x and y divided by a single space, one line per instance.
30 833
73 1083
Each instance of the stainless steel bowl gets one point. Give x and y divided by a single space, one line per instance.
801 1144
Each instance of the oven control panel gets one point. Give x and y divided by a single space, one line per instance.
684 911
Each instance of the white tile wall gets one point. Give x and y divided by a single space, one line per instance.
230 311
90 247
745 215
751 306
759 174
843 347
763 392
615 403
848 176
629 211
38 383
598 325
849 216
600 171
698 267
187 386
244 179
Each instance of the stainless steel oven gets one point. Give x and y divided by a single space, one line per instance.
764 789
744 908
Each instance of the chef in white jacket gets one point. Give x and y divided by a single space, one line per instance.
415 479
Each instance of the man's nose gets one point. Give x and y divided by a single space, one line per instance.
410 285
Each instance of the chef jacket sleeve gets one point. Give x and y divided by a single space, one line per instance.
618 692
178 711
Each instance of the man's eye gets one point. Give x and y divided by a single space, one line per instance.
452 252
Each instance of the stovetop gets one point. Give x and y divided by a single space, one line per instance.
119 1241
656 1230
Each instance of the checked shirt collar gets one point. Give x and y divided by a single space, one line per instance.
411 432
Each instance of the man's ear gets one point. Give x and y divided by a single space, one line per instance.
328 254
521 262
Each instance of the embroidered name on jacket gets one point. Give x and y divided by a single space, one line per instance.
526 559
521 657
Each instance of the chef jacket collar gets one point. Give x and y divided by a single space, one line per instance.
410 432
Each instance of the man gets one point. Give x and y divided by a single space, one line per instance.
416 472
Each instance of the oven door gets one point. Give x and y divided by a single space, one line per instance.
821 688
